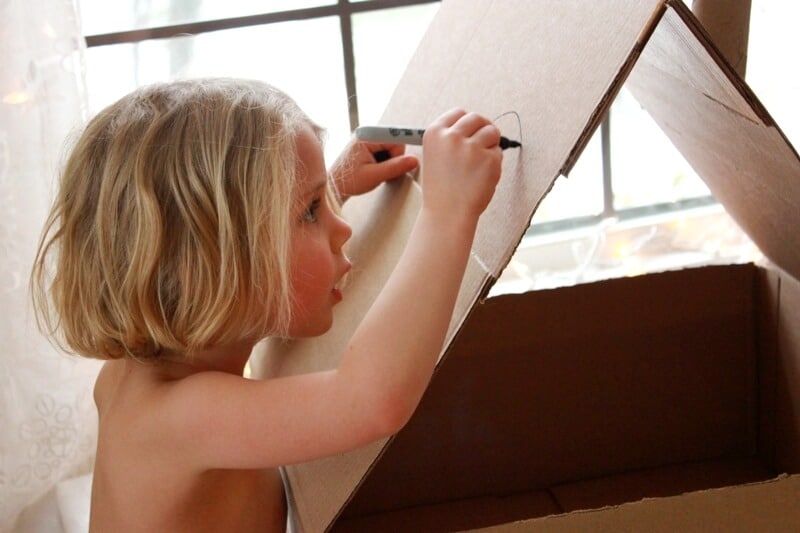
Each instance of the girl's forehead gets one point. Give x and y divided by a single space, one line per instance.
311 171
310 136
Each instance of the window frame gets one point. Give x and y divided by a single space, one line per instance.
343 10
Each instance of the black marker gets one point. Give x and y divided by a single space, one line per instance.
402 135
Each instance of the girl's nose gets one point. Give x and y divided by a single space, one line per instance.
341 232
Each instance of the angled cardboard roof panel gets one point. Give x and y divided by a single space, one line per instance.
539 59
722 130
558 67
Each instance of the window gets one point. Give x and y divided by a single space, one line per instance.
318 51
629 190
653 212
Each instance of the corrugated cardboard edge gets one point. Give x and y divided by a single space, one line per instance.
761 506
602 109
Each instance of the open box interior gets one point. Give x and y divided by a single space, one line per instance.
595 395
599 394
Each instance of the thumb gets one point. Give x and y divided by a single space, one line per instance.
397 166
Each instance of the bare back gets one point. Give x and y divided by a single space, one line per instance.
140 482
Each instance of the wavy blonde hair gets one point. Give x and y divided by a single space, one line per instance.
170 230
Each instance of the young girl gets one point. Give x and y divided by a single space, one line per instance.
195 218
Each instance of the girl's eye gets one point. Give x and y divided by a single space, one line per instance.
310 214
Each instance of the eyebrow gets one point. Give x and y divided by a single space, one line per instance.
310 191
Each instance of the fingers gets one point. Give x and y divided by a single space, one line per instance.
362 166
385 161
469 125
488 136
366 177
462 160
391 159
397 166
383 152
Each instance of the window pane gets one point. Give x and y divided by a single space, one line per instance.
303 58
645 167
380 62
103 16
771 59
581 193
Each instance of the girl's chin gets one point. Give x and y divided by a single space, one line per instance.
311 330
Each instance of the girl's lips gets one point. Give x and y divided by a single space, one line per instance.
337 292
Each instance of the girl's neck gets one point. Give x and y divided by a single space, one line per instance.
228 358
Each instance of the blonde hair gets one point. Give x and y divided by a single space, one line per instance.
170 230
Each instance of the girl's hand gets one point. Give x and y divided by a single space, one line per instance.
461 165
356 171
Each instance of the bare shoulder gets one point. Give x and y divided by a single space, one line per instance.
142 457
142 395
125 389
169 412
137 409
210 419
128 402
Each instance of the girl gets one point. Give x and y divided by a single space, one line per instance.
194 219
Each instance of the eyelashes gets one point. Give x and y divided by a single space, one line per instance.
310 214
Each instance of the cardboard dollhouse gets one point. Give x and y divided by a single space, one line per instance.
658 402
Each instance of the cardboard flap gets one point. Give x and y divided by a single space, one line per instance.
764 506
722 130
539 59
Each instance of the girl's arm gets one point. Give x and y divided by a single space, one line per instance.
231 422
395 348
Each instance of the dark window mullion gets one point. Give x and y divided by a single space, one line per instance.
204 26
349 61
605 144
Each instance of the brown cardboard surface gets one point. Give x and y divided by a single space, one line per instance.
616 376
455 515
486 511
768 284
538 58
677 381
766 506
658 482
787 452
737 149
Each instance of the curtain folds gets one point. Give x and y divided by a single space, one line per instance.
48 424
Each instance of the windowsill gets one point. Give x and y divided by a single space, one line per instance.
613 249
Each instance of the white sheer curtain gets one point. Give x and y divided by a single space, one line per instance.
47 420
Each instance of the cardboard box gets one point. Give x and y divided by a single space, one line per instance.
641 394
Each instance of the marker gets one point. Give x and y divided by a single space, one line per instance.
403 135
